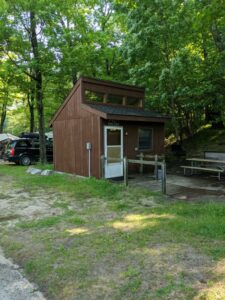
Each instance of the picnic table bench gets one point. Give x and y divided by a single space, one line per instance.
208 165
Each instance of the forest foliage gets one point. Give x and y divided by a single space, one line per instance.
173 48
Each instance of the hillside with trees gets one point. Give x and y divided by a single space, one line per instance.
173 48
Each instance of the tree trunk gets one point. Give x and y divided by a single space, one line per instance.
107 67
31 107
3 116
39 91
30 100
74 76
204 48
218 37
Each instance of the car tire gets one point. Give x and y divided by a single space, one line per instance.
25 161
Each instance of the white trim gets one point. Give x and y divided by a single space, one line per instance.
113 169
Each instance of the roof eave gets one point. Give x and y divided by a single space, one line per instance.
94 111
113 84
137 118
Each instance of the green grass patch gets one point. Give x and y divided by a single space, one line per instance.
107 244
204 220
42 223
52 221
80 188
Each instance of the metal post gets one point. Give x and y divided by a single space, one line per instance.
88 148
125 171
103 166
163 166
141 165
89 162
156 167
192 164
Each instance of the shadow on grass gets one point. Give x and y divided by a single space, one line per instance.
154 255
147 253
116 248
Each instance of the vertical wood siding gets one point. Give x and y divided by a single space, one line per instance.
74 126
72 129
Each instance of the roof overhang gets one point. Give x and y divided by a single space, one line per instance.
94 111
112 84
137 118
107 116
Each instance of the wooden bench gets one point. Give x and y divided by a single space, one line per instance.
217 170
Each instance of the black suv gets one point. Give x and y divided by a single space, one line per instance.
25 151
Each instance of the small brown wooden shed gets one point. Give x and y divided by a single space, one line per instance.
103 118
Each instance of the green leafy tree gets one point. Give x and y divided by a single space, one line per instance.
25 46
209 24
7 90
175 49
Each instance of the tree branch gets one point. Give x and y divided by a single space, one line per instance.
16 65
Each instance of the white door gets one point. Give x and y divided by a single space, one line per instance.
113 144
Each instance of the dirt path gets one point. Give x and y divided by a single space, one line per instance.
16 205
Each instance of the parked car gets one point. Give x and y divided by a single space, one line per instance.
26 151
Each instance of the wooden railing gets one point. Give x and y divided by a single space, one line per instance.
156 158
156 163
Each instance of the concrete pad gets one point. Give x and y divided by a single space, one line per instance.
185 187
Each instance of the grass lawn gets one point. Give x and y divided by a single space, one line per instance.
108 241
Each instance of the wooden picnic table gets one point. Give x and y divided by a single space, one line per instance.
205 160
217 166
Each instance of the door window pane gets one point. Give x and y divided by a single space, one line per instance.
113 154
113 137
